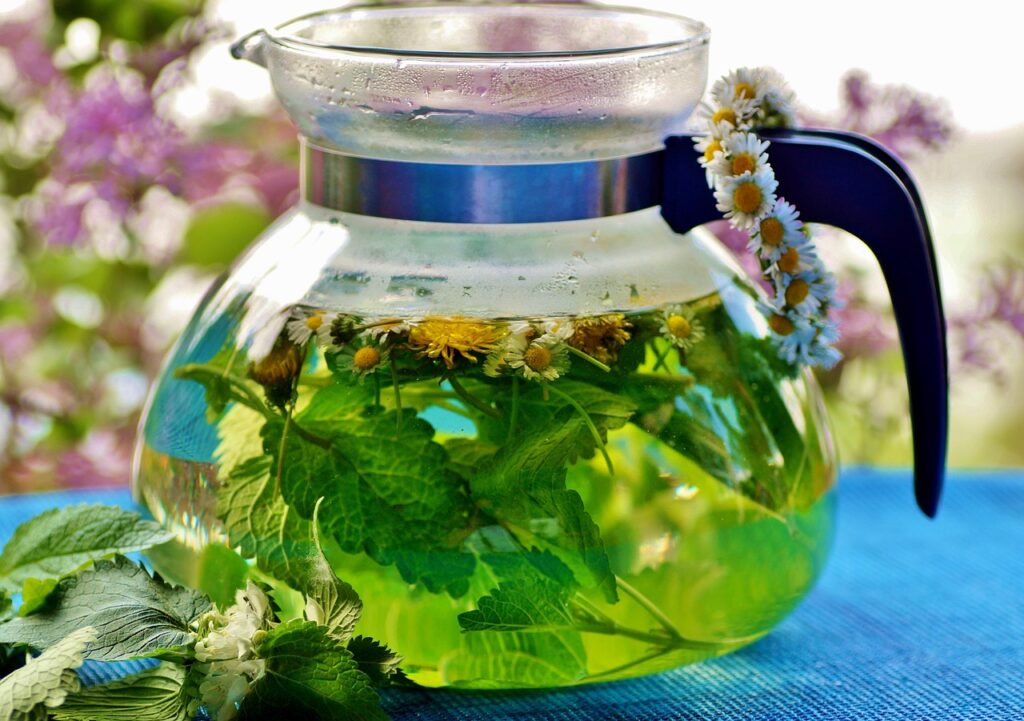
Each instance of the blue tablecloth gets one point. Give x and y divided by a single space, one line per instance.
913 619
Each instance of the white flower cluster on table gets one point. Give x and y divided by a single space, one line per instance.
739 172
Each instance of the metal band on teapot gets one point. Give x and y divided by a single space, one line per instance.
454 193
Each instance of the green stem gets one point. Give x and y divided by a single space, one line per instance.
588 358
466 397
656 653
659 357
280 452
660 640
588 421
649 606
376 390
398 397
514 414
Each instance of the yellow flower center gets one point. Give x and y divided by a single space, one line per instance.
781 324
726 114
797 292
314 322
744 90
679 326
713 147
538 358
790 261
366 359
747 197
772 231
743 163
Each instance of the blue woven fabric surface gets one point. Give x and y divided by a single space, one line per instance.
912 620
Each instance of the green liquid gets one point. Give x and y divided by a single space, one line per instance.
684 529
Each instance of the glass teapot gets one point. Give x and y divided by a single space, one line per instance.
493 367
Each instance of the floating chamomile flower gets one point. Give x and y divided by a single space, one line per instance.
561 328
454 339
387 329
304 325
543 359
344 329
363 358
778 230
680 327
745 199
519 335
601 336
744 153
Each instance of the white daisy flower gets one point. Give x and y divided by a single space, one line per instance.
777 101
742 83
778 230
303 324
794 257
680 327
745 199
744 152
543 359
822 352
794 344
805 292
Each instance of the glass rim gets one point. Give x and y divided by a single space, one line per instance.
699 33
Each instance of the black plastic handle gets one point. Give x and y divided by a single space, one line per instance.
850 182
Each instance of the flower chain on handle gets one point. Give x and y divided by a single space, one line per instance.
744 184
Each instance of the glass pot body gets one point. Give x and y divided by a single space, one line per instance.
543 454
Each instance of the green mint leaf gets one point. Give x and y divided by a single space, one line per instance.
134 614
59 542
264 527
502 660
385 486
156 694
309 675
522 634
374 659
466 455
526 481
6 606
46 680
34 594
533 595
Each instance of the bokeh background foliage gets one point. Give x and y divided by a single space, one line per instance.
127 186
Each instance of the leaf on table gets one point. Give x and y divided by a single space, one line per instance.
264 527
135 615
46 680
60 541
374 659
525 484
385 491
156 694
309 675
